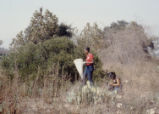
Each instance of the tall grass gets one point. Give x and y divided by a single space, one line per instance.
14 92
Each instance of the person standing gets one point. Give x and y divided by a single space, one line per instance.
88 72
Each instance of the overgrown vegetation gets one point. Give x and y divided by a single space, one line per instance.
39 66
44 45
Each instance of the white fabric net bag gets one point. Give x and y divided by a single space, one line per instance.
79 66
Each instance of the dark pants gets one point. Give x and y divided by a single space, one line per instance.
88 74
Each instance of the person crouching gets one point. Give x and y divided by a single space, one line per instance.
114 84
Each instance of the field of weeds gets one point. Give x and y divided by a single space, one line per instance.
37 76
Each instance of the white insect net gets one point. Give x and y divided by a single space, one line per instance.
79 66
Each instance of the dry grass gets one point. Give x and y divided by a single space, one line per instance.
139 86
137 70
29 97
126 57
140 80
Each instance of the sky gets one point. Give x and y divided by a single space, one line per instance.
15 15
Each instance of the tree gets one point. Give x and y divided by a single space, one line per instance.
45 45
56 53
119 25
91 36
18 41
1 42
64 30
43 26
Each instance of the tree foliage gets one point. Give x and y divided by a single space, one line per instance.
43 26
44 47
91 36
119 25
57 53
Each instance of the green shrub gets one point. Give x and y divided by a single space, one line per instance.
43 47
58 53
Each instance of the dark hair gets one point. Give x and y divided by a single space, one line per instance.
112 75
88 49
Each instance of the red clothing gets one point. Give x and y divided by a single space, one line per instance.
89 59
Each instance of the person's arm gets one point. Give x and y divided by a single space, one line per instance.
117 84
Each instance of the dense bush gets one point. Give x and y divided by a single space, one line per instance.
44 47
56 53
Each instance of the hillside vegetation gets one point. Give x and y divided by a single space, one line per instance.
38 75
